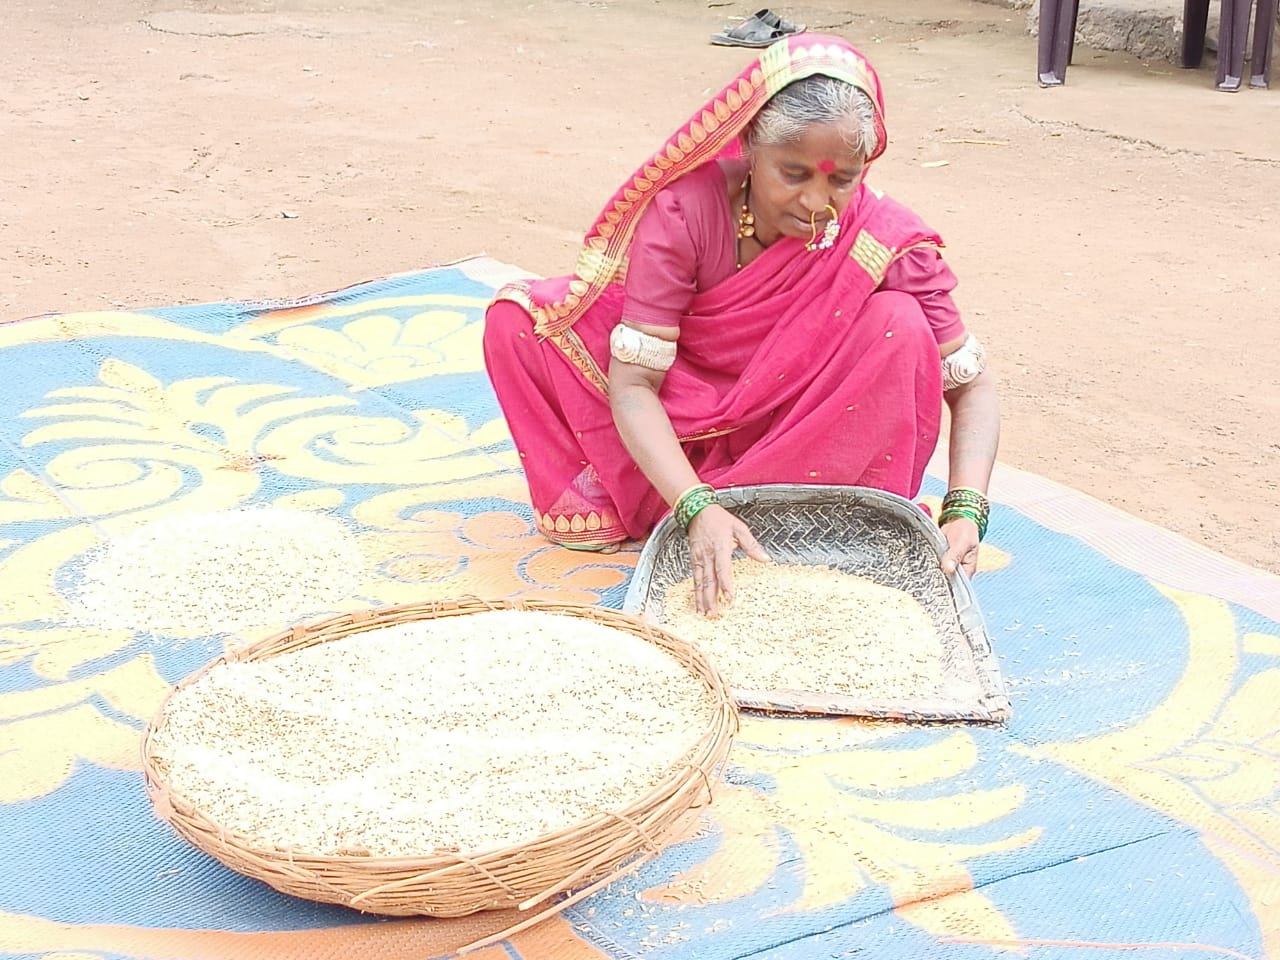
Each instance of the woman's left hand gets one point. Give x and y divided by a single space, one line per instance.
962 546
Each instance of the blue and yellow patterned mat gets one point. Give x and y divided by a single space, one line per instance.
1131 805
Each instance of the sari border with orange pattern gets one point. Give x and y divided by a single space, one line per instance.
578 530
568 342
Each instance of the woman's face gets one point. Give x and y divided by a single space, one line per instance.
792 182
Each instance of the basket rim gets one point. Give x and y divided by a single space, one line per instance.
709 751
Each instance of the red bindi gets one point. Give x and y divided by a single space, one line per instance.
826 166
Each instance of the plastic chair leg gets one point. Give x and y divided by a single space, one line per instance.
1233 34
1075 22
1264 25
1044 41
1195 21
1064 39
1057 38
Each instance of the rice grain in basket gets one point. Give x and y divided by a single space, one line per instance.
468 733
813 628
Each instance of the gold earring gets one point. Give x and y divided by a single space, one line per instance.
746 219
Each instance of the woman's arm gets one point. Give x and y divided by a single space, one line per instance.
647 434
643 424
972 445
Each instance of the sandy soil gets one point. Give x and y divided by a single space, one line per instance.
1116 241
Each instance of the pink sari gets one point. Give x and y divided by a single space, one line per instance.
796 369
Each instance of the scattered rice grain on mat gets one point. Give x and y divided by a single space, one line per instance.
200 573
472 733
813 629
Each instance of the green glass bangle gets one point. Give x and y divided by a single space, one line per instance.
675 507
971 513
697 506
964 510
979 517
969 503
966 504
692 502
966 497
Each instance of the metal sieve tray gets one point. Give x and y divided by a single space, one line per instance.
863 532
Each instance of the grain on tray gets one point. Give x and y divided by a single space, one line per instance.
201 573
813 629
470 733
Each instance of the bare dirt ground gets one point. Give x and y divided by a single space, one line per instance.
1116 239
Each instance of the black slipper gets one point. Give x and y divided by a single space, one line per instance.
760 30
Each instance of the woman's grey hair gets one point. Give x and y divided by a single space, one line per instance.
817 99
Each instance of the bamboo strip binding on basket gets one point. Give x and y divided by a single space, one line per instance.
448 884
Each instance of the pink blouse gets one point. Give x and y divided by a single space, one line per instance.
685 243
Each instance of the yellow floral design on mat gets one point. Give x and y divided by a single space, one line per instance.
495 554
90 325
438 448
129 449
379 349
53 652
29 570
33 615
1209 753
838 791
137 440
376 347
44 732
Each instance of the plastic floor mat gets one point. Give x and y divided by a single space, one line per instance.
1132 803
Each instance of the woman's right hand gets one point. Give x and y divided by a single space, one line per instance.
714 533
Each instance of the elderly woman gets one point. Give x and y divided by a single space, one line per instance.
746 310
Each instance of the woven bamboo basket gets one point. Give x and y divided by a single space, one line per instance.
559 868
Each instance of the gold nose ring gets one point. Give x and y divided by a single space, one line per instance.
829 233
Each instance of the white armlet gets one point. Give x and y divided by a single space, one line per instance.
963 365
644 350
